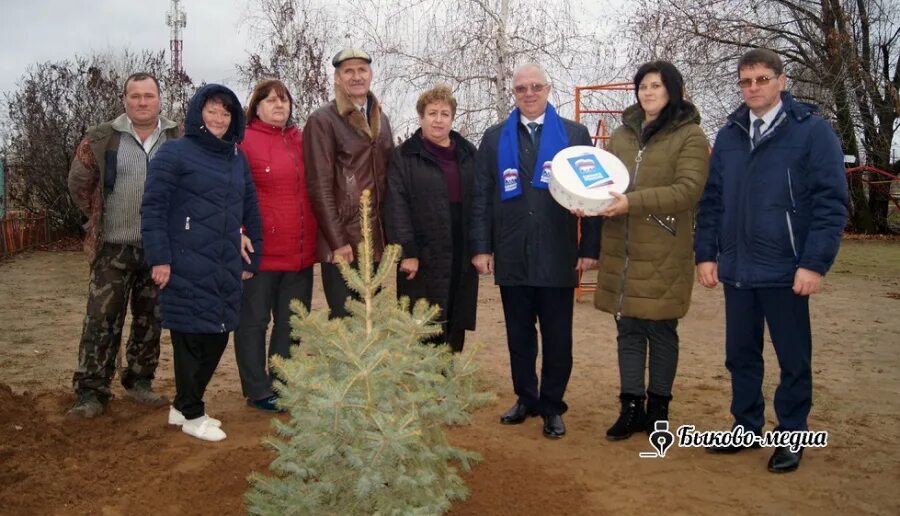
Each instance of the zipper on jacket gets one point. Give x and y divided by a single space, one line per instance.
230 167
742 221
298 187
787 214
637 166
187 223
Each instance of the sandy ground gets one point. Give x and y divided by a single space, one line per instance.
129 462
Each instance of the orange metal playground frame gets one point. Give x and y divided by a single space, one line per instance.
600 137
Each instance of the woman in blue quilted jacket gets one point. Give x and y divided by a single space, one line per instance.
198 198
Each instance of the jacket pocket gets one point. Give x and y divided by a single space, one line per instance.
770 236
790 228
790 185
669 223
352 193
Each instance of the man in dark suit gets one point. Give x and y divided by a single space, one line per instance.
769 228
530 243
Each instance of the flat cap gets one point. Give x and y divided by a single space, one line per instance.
350 53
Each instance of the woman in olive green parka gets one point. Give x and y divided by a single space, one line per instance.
646 261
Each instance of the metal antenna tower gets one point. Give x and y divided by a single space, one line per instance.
177 20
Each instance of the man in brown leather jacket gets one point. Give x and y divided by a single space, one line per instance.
346 147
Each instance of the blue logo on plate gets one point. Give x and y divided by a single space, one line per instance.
590 171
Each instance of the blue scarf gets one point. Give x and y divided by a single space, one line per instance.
553 140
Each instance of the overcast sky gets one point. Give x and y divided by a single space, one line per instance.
51 30
214 41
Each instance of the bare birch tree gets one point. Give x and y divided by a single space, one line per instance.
474 46
294 40
843 55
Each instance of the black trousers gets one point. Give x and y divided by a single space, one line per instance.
635 336
336 290
267 297
550 307
196 358
787 316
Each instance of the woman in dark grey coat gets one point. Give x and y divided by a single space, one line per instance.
429 194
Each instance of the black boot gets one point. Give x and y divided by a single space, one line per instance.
631 419
657 409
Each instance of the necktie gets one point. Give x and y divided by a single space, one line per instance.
756 133
532 130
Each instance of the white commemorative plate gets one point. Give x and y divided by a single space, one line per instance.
582 177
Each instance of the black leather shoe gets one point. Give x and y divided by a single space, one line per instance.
730 450
554 428
784 460
517 414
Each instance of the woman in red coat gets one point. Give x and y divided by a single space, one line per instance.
274 148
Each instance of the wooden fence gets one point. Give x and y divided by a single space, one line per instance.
21 230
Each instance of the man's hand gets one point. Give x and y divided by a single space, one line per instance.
708 274
410 266
246 248
484 263
160 275
618 207
807 282
245 275
344 252
585 264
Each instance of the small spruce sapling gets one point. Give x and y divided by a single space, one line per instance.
367 403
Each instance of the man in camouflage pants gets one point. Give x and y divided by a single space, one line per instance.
106 182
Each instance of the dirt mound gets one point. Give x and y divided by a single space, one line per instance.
129 461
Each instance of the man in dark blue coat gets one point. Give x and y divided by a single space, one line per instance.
769 228
530 243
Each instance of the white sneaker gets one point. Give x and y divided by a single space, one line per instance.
177 418
202 428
